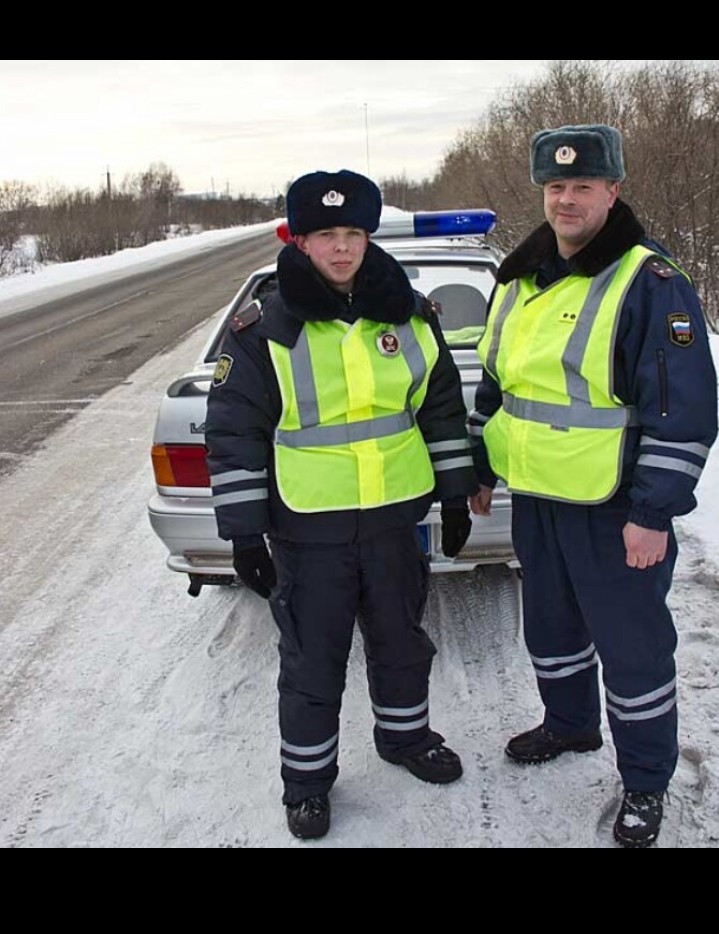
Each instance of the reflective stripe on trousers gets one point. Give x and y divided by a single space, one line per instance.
322 589
582 604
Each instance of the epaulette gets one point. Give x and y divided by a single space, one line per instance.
429 308
246 316
662 268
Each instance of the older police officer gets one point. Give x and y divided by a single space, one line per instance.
598 408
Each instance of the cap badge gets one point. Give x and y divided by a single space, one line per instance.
333 199
388 344
565 155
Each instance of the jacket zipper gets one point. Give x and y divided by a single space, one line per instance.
663 384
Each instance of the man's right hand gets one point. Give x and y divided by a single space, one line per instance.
645 547
481 503
254 567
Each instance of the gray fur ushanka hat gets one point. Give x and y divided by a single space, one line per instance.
585 151
322 200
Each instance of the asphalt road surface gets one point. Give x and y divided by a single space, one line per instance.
57 357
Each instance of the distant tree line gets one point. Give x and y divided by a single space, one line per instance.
668 112
71 225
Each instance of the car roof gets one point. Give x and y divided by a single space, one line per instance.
444 248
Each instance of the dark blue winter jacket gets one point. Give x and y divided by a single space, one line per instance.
244 404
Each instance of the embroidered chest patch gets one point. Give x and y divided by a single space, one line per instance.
681 331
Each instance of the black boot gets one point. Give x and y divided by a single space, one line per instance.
639 819
438 765
539 745
309 819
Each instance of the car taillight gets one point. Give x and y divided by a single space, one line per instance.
180 465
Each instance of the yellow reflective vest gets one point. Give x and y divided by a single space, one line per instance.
560 431
347 437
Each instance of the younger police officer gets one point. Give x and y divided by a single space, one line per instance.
335 419
598 408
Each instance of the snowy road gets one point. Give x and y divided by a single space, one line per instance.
133 716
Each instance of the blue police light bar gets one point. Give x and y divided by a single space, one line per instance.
474 222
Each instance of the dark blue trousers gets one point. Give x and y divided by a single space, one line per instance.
585 610
322 590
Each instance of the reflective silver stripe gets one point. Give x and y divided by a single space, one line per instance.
401 711
564 672
305 391
308 766
577 415
413 356
644 715
670 463
577 387
643 701
587 658
461 444
240 496
402 727
453 464
509 299
475 416
475 431
645 698
699 450
310 750
565 659
236 476
329 435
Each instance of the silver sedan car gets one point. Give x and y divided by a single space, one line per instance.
446 257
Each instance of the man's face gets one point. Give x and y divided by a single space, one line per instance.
577 209
336 253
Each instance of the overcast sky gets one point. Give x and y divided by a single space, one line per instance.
247 127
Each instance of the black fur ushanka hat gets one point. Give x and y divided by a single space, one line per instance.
322 200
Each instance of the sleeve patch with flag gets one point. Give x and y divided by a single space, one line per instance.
681 331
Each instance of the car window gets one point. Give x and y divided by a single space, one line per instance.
462 292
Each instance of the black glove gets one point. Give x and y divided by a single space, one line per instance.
254 567
456 526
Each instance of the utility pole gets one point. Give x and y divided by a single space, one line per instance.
110 218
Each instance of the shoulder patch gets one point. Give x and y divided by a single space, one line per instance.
246 316
681 331
222 369
662 268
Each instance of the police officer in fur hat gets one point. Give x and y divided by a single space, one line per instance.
598 408
335 419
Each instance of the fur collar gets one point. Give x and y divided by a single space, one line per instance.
621 232
382 290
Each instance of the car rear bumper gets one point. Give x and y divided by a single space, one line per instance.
187 527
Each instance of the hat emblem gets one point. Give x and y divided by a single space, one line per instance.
333 199
565 155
